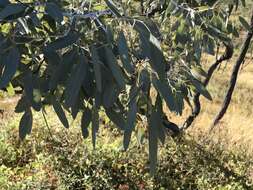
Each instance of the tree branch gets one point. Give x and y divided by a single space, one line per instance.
196 103
234 76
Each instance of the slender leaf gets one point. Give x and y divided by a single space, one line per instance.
60 113
75 82
116 71
54 11
97 68
116 118
113 7
245 24
153 141
130 123
62 42
123 51
10 61
11 10
95 125
25 125
201 89
85 122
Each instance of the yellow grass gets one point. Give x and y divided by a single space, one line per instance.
235 131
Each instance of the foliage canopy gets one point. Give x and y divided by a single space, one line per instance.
92 56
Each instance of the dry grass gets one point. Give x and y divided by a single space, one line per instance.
235 131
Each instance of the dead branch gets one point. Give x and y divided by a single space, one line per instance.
234 76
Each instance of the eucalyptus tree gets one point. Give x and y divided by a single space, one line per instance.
128 59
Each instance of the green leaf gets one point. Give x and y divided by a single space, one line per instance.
32 90
113 7
62 42
245 24
198 72
10 61
116 117
110 94
22 105
216 33
63 68
116 71
54 11
201 89
95 125
123 52
151 48
25 125
97 68
155 55
4 3
76 79
130 123
157 117
11 10
165 91
85 122
60 113
153 141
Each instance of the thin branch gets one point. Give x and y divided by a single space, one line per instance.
47 125
233 79
196 103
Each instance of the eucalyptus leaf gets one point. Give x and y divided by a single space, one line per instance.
85 122
25 125
60 113
10 61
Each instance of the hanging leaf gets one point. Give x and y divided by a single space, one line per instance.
110 94
165 91
25 125
153 141
130 123
11 10
54 11
97 68
10 61
95 125
32 90
113 7
60 113
201 89
62 42
4 3
116 118
116 71
245 24
22 105
198 72
63 69
75 82
123 52
158 117
85 122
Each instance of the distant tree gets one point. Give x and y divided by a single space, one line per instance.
92 56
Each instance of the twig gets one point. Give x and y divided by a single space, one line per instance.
47 125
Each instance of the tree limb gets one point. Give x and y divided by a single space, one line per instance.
234 76
196 103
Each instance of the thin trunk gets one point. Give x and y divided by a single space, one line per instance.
234 76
